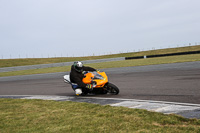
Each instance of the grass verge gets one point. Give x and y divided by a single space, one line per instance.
113 64
19 115
35 61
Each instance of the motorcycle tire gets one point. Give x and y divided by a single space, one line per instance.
112 89
84 93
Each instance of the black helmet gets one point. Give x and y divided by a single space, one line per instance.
78 66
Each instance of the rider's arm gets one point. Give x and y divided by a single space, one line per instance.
88 69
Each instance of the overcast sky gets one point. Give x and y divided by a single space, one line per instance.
48 28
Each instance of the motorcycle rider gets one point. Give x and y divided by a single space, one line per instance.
77 74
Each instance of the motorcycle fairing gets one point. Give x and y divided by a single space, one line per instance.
99 77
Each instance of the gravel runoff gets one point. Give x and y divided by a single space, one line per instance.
8 69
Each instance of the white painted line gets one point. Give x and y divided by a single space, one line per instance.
43 97
156 106
133 100
149 101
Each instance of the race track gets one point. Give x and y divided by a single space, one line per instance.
178 82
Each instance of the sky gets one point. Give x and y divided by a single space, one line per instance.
70 28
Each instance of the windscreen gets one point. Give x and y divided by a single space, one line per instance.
97 76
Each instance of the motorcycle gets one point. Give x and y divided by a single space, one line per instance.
99 81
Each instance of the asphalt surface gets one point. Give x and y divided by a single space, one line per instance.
179 82
166 88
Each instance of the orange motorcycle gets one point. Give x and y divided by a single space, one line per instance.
99 81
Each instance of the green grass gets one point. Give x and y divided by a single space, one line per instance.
113 64
34 61
39 116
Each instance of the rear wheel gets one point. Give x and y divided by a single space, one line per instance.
112 89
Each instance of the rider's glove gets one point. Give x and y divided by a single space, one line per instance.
98 70
89 86
83 72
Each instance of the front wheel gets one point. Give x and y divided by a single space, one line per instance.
112 89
